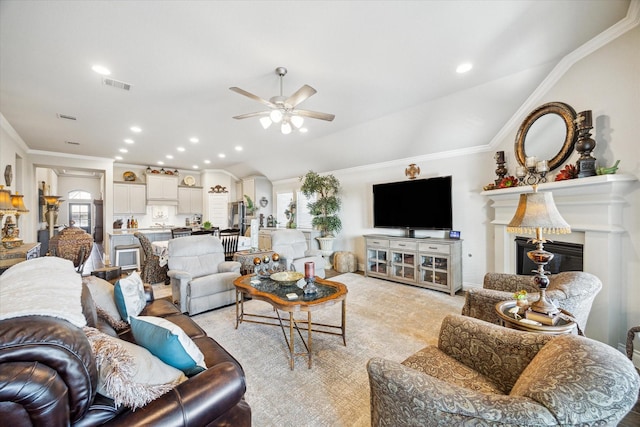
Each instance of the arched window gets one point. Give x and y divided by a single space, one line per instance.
79 195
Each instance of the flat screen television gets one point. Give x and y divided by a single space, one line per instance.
420 204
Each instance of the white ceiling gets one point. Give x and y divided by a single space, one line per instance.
386 69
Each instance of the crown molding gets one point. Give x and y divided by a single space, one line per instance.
630 21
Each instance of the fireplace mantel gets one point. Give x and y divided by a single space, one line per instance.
593 207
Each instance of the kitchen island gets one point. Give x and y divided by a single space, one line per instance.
124 236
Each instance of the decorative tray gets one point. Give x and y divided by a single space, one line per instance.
287 277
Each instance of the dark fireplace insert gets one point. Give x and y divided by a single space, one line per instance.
567 256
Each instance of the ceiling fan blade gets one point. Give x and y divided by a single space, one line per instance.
300 95
257 114
252 96
315 115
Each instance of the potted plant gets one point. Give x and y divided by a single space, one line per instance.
249 206
324 209
206 225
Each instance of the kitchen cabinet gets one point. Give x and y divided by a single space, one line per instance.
190 200
162 189
129 199
426 262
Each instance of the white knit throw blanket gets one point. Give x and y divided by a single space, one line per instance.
47 286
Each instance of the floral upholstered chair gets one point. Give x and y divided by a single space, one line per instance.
573 291
152 272
482 374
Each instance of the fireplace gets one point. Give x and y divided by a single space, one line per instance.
593 207
567 256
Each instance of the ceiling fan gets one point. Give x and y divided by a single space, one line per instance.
283 109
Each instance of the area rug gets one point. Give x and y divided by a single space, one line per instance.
384 319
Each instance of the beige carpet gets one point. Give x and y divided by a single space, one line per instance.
384 319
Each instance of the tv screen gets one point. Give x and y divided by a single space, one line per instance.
414 204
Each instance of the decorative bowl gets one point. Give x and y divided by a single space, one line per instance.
287 277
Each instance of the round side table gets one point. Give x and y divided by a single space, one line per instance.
508 320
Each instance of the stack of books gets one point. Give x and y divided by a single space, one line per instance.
545 319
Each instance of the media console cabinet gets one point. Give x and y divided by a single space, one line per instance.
426 262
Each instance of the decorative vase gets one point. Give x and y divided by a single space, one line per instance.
326 247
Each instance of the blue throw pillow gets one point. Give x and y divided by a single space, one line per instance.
168 342
129 296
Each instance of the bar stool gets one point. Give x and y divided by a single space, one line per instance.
134 249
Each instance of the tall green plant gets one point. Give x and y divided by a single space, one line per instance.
327 204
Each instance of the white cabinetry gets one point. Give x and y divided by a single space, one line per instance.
162 189
190 200
129 199
427 262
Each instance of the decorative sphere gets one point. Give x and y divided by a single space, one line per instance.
275 257
256 261
266 259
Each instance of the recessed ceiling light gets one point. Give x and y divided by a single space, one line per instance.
101 70
123 150
238 148
194 140
180 149
195 166
129 141
463 68
222 155
160 162
206 162
118 157
169 156
135 129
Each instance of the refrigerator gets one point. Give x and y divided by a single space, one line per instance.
238 216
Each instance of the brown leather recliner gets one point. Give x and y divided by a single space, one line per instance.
48 377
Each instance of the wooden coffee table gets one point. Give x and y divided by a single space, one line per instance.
328 294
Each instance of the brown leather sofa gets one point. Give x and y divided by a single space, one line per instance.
48 376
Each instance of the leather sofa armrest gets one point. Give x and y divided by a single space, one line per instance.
196 402
229 267
57 344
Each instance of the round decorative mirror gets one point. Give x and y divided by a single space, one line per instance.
548 133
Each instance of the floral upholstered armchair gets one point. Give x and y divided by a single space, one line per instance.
482 374
573 291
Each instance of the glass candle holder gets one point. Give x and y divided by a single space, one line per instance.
309 270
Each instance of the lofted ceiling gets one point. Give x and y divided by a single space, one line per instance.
386 69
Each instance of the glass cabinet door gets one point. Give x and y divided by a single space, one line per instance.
403 265
377 260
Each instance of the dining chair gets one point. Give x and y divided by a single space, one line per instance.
229 238
180 232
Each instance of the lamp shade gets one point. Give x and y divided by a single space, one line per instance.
5 200
17 200
538 211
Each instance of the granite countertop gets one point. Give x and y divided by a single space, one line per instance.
150 230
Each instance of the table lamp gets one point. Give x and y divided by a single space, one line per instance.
536 213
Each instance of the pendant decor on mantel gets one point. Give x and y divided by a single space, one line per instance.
412 171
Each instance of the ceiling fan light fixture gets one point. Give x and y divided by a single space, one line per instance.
297 121
276 116
265 122
285 128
